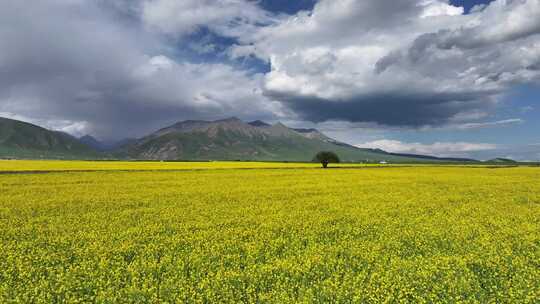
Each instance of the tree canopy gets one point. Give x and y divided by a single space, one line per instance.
326 157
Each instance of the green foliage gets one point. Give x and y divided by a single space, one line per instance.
222 235
326 157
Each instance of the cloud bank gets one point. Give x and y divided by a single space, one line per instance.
116 68
405 63
441 149
74 61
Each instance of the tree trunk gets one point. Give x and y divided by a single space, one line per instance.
325 164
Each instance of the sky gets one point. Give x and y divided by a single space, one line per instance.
448 78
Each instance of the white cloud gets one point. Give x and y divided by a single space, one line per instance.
443 149
214 88
424 62
435 8
75 128
478 125
232 18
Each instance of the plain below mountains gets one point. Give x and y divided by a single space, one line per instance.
227 139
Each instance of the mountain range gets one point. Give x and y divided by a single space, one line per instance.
226 139
24 140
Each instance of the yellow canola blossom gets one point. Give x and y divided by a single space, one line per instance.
150 232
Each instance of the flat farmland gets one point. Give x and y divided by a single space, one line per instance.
111 232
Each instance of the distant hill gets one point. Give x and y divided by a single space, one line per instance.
233 139
92 142
427 157
104 146
24 140
502 160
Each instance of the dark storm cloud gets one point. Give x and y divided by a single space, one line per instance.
386 109
64 61
76 61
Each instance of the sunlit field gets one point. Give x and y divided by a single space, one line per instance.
135 232
58 165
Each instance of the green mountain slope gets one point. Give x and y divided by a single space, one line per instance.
232 139
228 139
23 140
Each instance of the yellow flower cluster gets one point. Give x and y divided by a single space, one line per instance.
262 233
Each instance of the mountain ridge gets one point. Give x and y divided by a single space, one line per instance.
20 139
234 139
224 139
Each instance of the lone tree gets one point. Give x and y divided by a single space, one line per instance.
326 157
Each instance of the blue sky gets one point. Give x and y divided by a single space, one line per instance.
469 4
287 6
419 76
291 7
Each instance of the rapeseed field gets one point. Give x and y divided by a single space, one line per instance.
268 234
